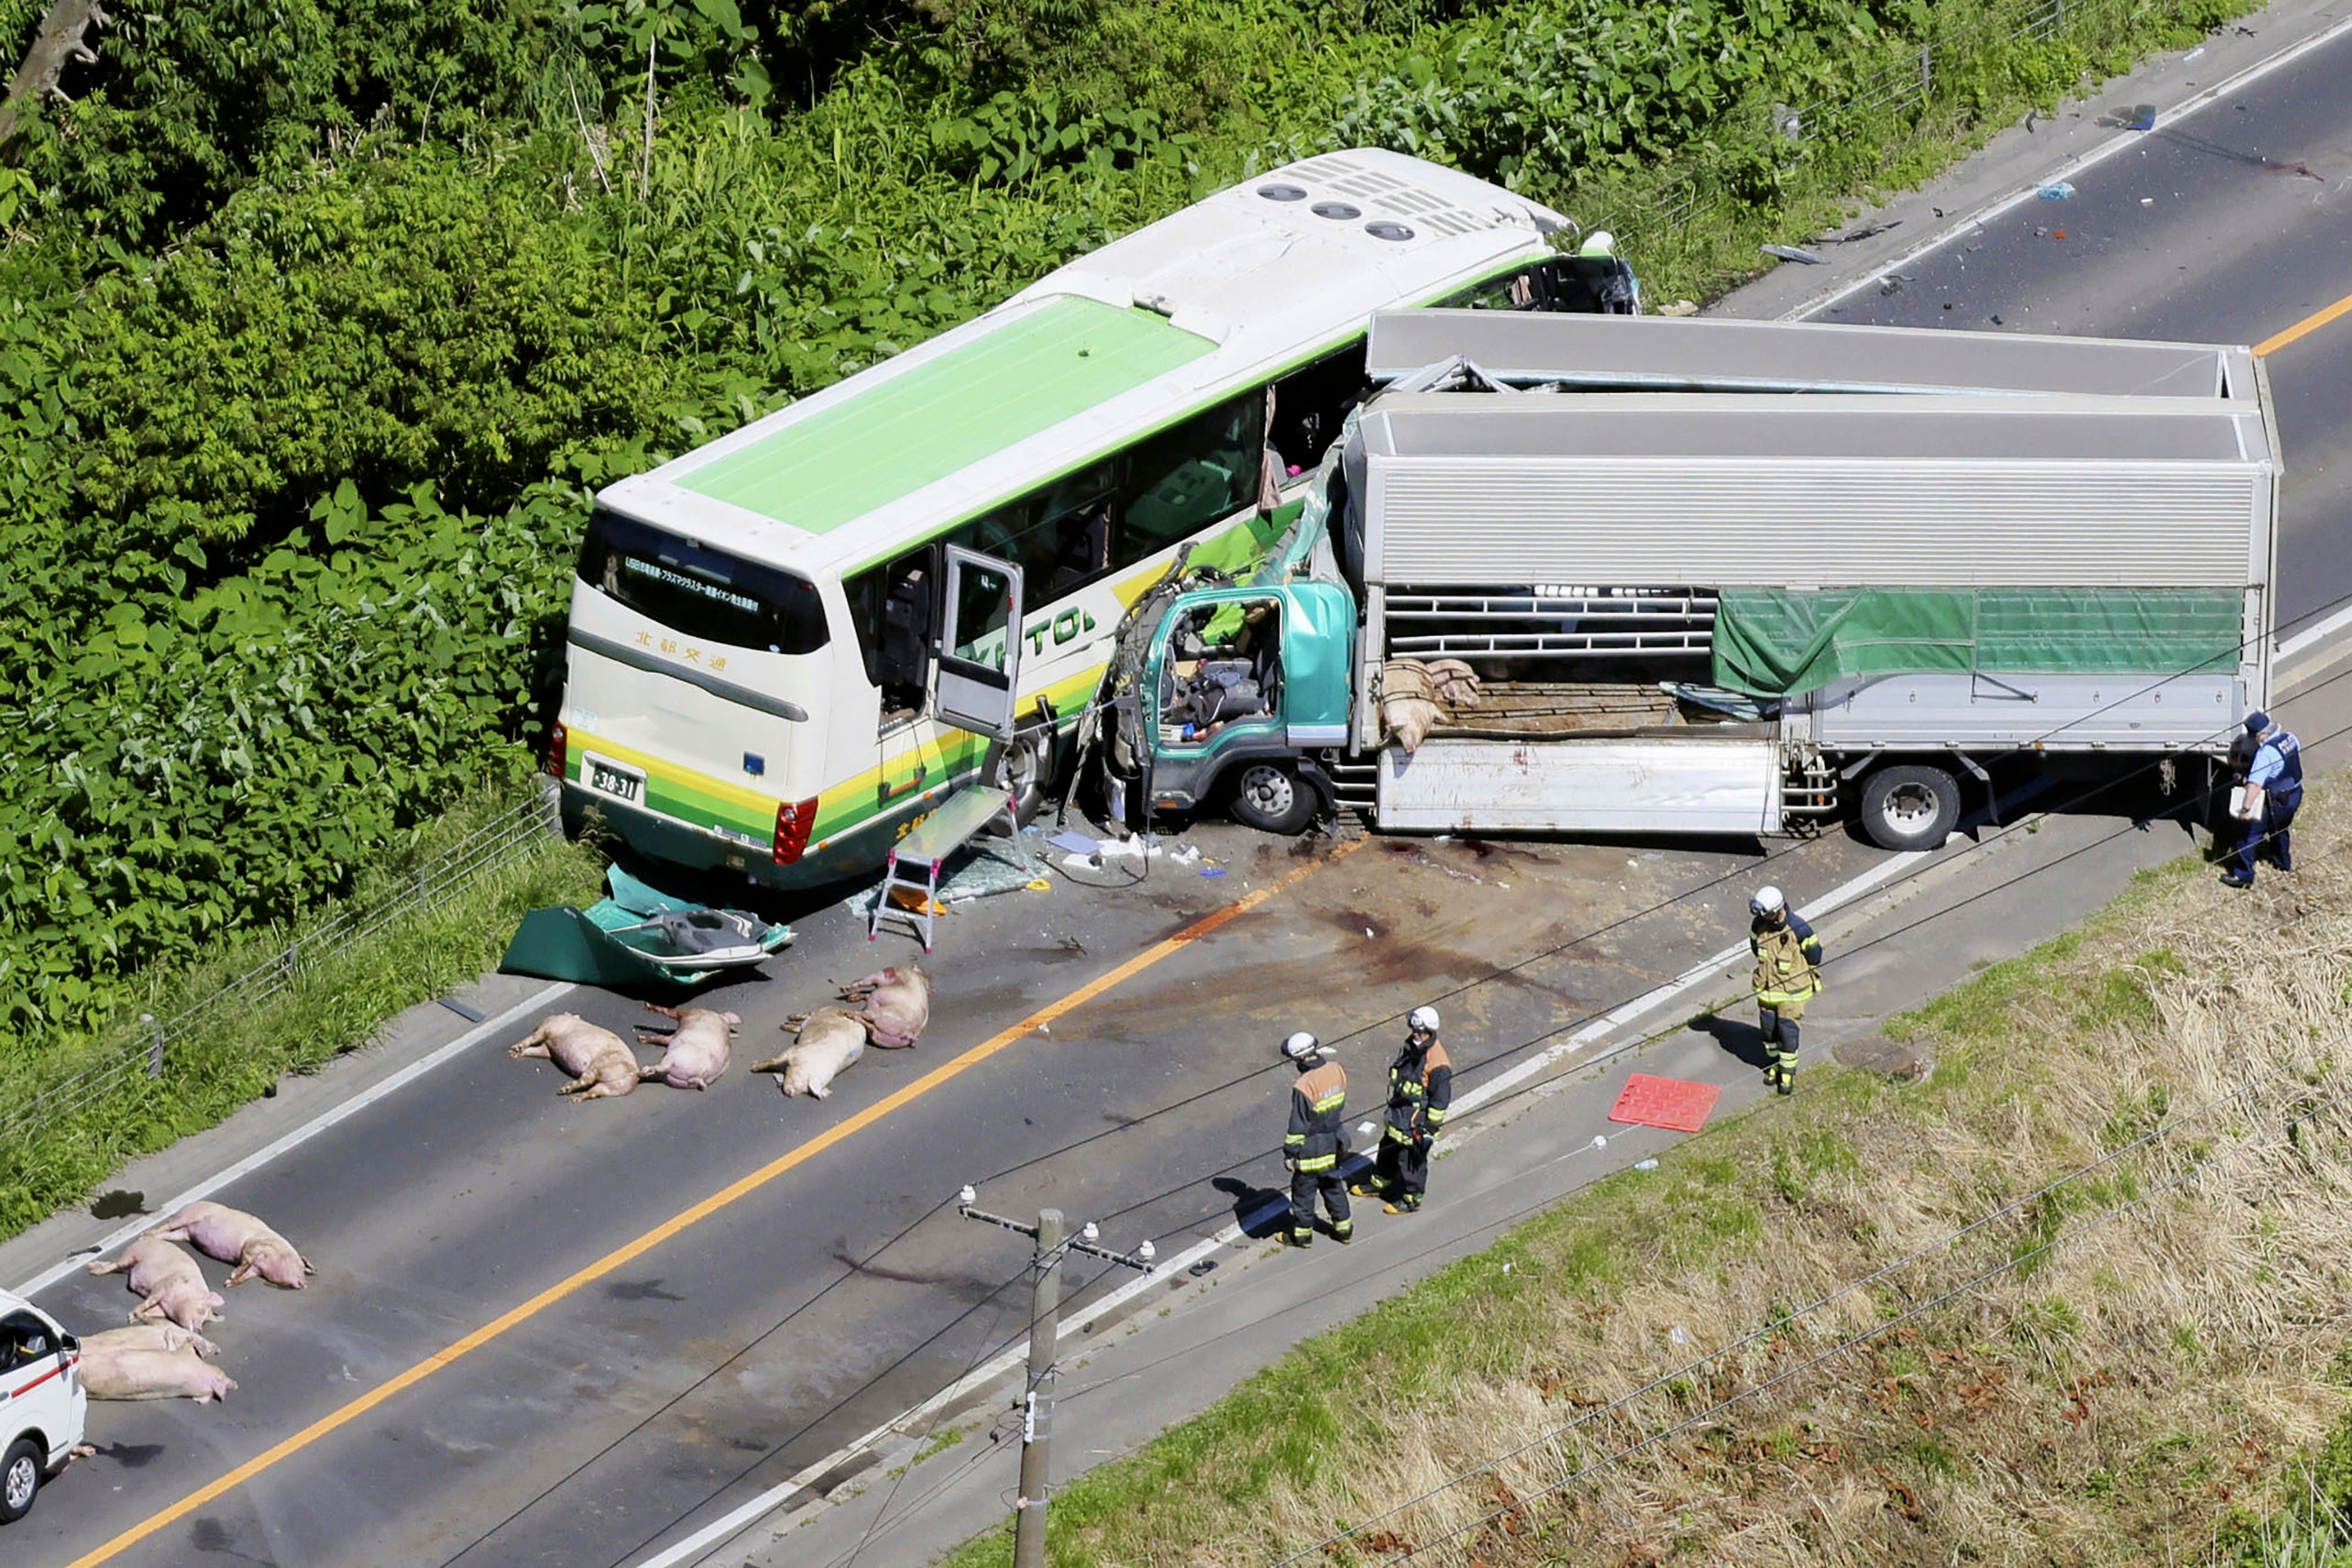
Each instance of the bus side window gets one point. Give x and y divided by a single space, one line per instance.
1059 536
1577 284
1312 402
1189 476
892 609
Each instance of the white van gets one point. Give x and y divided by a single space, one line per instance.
41 1402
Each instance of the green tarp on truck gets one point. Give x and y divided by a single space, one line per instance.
1786 642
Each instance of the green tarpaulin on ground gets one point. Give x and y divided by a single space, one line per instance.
630 938
1787 642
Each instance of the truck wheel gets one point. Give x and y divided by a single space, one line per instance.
1909 806
1269 798
20 1478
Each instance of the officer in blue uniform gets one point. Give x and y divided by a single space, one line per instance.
2277 772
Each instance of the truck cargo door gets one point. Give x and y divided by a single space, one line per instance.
1581 786
979 645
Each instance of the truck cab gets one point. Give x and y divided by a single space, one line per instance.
1242 687
42 1405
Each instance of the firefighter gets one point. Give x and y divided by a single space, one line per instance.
1420 1086
1788 975
1313 1146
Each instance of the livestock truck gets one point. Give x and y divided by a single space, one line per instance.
1594 574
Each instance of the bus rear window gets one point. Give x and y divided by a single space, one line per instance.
699 592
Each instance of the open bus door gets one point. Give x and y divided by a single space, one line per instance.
979 644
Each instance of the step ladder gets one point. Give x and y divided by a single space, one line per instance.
916 863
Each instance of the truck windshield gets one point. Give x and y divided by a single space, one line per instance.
702 593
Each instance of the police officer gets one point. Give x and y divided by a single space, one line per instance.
1788 975
2277 772
1313 1146
1421 1087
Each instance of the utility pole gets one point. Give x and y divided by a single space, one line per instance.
1053 1243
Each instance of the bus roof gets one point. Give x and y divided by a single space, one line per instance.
986 393
1203 304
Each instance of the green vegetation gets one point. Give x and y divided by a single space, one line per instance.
1870 1324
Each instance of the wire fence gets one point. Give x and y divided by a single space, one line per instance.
1964 36
143 1052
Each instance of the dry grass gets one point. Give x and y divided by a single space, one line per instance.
2100 1372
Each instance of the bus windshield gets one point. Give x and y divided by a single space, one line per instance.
700 592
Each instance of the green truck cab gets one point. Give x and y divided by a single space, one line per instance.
1242 687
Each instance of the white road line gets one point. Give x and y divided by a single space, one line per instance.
714 1534
300 1135
2092 159
2325 630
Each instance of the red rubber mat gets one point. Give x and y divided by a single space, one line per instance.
1673 1102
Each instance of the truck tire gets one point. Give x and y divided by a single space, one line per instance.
1272 798
20 1479
1909 806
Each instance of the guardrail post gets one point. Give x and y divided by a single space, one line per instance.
154 1044
1927 70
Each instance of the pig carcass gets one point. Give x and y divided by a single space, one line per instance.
831 1038
695 1053
898 1003
153 1375
232 1235
147 1336
600 1063
170 1280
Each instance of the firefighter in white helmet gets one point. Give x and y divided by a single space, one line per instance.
1788 975
1316 1139
1421 1088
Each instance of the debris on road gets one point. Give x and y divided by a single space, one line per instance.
1794 253
2056 191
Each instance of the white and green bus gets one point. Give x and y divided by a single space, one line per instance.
786 645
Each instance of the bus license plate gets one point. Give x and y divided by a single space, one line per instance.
620 783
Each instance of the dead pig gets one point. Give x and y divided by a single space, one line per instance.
232 1235
898 1003
154 1374
168 1278
147 1336
600 1063
830 1039
696 1052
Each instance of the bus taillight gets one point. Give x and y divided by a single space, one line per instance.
557 742
793 820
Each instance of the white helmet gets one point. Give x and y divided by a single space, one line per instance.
1767 901
1302 1046
1421 1020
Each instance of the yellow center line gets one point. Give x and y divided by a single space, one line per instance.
2304 328
621 1256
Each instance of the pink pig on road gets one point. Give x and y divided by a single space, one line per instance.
696 1052
147 1336
600 1064
154 1374
830 1039
898 1003
232 1235
174 1287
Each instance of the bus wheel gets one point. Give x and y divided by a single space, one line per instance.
1269 798
1909 806
1026 768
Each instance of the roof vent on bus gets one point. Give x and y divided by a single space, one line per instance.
1279 192
1380 228
1339 210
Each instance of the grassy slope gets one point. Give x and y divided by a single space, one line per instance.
2116 1396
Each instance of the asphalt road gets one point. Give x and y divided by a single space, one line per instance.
631 1403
